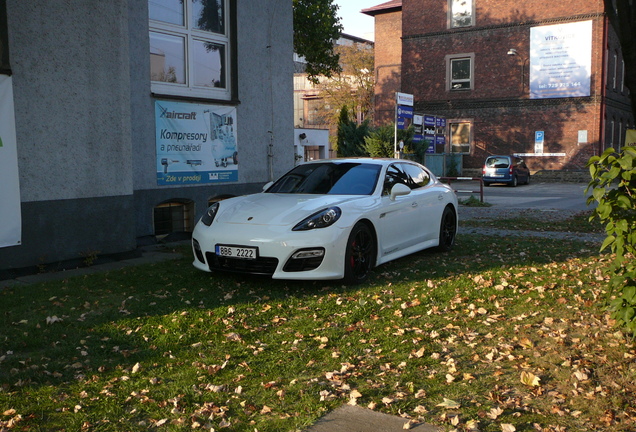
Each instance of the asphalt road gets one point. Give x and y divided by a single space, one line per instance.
563 196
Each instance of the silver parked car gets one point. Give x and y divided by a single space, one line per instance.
510 170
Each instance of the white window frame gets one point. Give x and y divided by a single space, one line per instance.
451 22
449 71
471 140
622 75
191 36
615 75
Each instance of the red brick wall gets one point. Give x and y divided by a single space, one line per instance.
428 16
504 118
388 60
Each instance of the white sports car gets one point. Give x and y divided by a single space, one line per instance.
329 219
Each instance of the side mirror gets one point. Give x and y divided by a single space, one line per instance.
267 185
399 189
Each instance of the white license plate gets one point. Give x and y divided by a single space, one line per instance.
236 252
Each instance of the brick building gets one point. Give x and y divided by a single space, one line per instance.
388 57
528 78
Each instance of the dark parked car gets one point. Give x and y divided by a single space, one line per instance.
511 170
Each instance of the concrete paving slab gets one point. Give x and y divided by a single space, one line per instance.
350 418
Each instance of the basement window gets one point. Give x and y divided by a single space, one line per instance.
173 217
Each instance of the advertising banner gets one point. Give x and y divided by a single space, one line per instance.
10 216
630 137
561 60
196 143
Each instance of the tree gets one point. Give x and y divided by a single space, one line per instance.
351 136
316 28
353 86
622 17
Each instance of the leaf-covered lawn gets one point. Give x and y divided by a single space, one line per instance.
498 335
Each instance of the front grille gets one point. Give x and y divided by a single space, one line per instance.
260 265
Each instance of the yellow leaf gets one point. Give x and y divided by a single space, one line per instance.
494 413
506 427
530 379
355 394
266 410
450 404
526 343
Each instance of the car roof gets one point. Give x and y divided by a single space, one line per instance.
369 160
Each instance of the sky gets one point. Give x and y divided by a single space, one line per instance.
354 22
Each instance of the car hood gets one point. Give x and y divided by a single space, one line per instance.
277 209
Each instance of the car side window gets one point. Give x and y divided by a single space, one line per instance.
418 177
394 175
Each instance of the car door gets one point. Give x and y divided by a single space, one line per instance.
429 203
397 217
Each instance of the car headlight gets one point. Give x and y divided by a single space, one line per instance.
210 214
322 219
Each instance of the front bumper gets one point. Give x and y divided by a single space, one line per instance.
278 251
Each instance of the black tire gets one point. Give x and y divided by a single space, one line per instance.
486 184
235 158
528 179
514 182
360 254
447 230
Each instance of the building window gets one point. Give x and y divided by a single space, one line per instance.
190 48
461 136
615 72
459 70
461 13
622 76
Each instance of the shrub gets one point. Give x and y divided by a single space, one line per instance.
613 187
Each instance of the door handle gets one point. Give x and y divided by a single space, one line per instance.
414 205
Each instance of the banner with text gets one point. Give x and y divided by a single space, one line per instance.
630 137
196 143
10 215
561 60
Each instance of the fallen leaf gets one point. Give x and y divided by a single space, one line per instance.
449 404
494 413
529 379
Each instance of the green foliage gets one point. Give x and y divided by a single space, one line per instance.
316 28
350 135
381 141
613 187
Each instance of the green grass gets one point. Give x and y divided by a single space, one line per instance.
541 221
511 332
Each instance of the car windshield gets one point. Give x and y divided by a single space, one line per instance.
329 178
497 162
